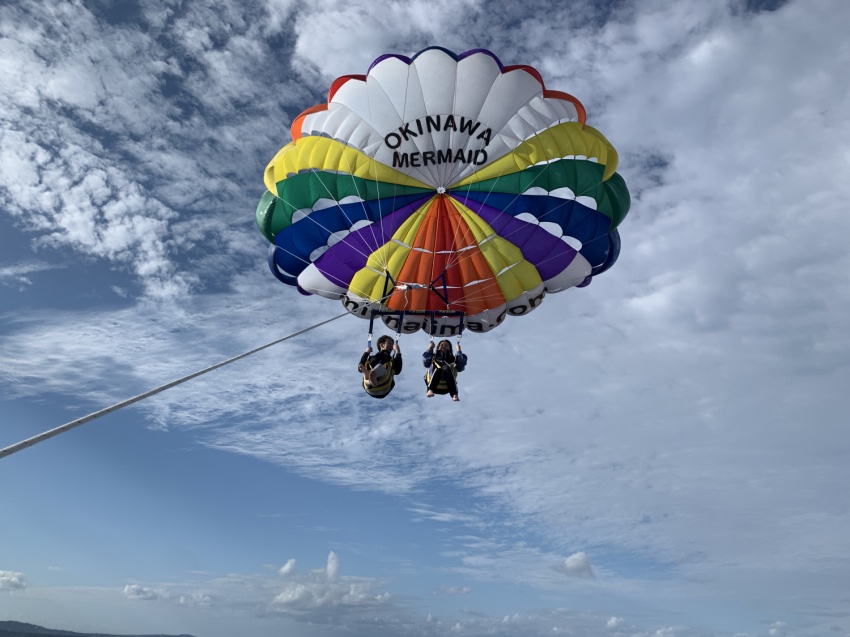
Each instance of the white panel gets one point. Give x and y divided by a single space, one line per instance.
315 254
298 215
444 326
574 243
336 237
324 202
527 217
334 118
414 102
384 155
347 130
564 192
384 115
475 77
314 281
538 115
526 302
590 202
364 138
509 93
362 223
354 96
391 74
313 122
574 274
411 325
487 320
552 228
519 128
437 72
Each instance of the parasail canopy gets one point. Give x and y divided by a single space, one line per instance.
443 183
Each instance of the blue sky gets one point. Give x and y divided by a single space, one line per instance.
661 454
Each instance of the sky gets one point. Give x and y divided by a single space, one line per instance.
661 454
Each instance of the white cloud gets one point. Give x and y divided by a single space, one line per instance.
339 38
137 591
778 629
426 513
195 599
321 595
672 396
12 581
287 568
105 164
614 622
577 565
452 590
16 275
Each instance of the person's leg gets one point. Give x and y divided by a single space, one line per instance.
451 384
436 376
377 374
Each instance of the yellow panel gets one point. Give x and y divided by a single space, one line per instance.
569 138
397 256
322 153
613 158
385 256
501 253
365 282
390 257
520 278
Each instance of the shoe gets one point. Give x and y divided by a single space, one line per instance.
456 398
429 394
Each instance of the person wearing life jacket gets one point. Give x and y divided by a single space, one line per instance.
379 370
443 367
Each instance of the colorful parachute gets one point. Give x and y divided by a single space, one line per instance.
442 183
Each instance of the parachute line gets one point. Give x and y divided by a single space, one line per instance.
29 442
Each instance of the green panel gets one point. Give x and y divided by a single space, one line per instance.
265 213
620 200
584 178
302 191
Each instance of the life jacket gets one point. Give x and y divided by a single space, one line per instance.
383 386
441 387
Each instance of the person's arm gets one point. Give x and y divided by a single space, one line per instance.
460 360
397 362
364 357
428 355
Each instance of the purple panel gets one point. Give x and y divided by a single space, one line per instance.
403 58
466 54
453 55
546 252
342 261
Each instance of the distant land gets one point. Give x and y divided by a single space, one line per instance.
20 629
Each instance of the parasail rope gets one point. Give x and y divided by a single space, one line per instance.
29 442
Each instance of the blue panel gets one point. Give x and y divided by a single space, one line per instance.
299 240
576 220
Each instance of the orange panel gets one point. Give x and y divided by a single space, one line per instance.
442 235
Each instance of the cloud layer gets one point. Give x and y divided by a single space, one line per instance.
680 420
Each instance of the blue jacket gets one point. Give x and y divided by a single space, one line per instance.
458 359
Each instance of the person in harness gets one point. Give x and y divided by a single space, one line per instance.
380 369
443 367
